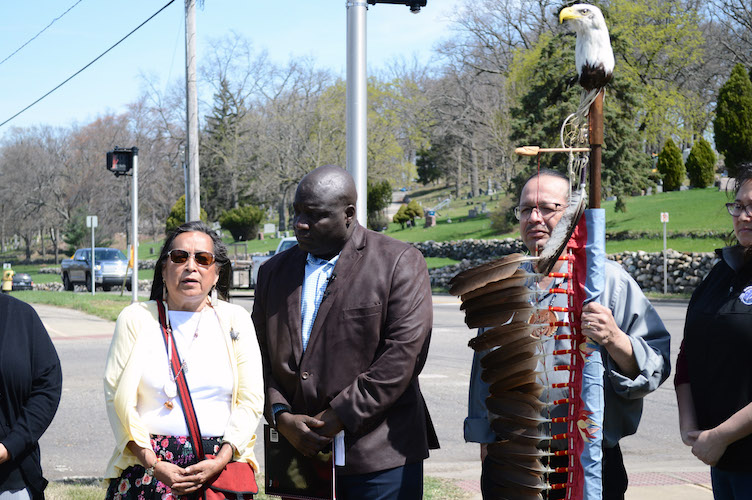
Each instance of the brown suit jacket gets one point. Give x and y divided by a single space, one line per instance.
368 344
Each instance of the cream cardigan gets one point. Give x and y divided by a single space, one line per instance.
125 364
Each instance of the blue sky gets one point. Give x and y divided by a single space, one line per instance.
285 29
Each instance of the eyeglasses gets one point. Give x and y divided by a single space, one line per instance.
545 210
204 259
735 209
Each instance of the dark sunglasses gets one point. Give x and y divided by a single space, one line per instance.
204 259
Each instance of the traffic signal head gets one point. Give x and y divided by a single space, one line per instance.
120 161
414 5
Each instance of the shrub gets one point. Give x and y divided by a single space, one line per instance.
701 164
414 210
242 222
177 215
401 216
502 218
671 167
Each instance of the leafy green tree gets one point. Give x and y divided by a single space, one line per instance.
733 120
242 222
401 217
701 164
659 49
177 215
671 166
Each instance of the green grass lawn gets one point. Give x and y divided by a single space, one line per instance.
103 305
693 210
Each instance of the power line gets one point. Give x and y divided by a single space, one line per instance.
45 29
92 62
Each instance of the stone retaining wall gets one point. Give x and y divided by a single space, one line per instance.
685 270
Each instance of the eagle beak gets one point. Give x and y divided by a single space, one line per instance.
568 13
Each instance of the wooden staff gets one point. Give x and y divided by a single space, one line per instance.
596 143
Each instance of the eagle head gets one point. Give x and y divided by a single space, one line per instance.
593 54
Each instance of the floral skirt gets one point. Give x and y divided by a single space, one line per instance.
135 484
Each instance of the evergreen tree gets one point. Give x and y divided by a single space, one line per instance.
548 76
223 155
671 166
76 232
701 164
733 120
379 197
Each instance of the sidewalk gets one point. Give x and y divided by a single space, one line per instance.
642 485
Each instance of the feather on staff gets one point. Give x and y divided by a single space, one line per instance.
501 335
480 276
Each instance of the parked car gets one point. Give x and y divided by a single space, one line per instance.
22 281
110 269
257 260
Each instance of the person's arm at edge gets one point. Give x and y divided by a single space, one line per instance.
121 349
710 445
245 416
296 428
46 387
650 340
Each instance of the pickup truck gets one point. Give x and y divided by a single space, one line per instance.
257 260
110 267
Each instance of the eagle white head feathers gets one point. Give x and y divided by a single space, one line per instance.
593 55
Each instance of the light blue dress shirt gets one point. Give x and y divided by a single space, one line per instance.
318 273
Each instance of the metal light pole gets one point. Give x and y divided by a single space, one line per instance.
91 221
357 98
134 229
357 95
192 195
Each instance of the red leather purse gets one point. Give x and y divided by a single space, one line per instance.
237 480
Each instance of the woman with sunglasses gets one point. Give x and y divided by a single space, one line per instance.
219 357
713 377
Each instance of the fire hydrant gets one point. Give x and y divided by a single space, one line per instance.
8 280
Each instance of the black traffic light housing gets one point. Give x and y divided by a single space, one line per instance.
120 161
414 5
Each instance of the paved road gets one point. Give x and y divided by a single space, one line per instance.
79 442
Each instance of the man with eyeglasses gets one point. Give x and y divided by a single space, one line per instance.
634 343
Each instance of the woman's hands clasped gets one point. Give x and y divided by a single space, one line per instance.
184 481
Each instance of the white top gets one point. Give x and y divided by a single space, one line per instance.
208 373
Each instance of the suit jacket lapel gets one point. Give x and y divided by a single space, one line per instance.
348 259
294 319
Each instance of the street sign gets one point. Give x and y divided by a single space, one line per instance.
664 217
91 221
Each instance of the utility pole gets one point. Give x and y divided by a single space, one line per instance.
192 195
